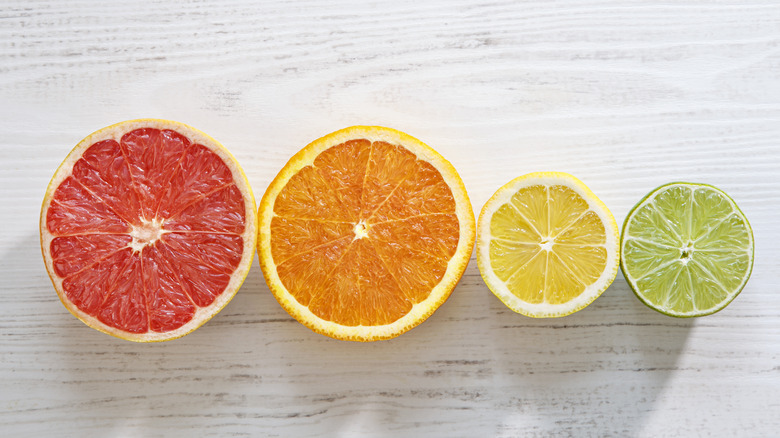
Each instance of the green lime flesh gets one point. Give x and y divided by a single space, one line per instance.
686 249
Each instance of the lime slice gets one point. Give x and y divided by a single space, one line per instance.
686 249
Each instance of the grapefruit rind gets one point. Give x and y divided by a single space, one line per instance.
632 283
249 235
420 311
545 310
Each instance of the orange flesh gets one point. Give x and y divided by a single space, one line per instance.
146 230
364 233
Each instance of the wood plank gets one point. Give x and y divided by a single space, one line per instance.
624 96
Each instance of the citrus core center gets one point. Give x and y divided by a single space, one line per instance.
361 230
145 234
686 253
547 243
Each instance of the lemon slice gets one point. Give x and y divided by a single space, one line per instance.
687 249
546 245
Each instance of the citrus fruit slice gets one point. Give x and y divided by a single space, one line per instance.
148 229
546 245
687 249
364 233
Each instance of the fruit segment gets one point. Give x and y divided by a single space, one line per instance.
103 170
587 230
89 288
125 303
294 236
426 193
416 272
343 168
382 298
74 253
432 234
75 210
152 156
642 257
389 165
221 211
510 225
564 279
168 305
307 272
528 280
566 209
200 282
509 257
330 188
199 173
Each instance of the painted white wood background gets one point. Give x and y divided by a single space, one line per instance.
624 95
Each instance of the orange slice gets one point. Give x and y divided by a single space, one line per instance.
148 229
365 233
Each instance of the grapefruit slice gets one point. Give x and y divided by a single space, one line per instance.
365 233
148 229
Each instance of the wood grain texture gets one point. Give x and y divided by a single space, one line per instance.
626 96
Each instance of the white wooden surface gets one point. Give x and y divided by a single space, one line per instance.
624 95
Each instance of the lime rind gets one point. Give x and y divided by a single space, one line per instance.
686 249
